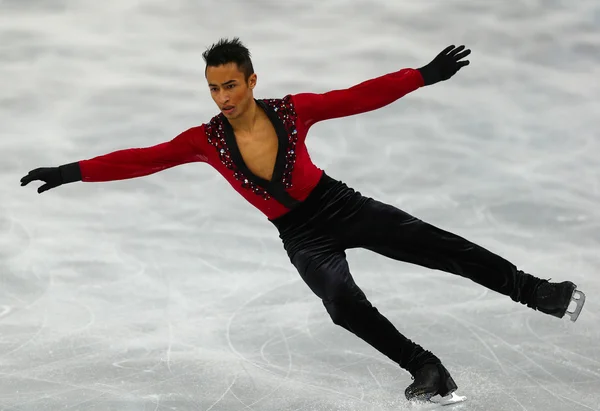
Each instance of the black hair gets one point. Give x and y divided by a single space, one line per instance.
229 51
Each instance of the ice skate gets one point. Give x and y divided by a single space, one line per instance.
433 383
555 298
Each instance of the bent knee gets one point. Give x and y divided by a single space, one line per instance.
341 311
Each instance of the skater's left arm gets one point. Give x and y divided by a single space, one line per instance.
366 96
377 92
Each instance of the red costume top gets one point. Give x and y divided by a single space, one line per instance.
214 143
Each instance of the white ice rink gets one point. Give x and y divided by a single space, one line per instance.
170 292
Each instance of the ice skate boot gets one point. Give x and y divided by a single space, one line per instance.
433 383
555 298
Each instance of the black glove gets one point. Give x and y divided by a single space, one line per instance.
444 65
53 176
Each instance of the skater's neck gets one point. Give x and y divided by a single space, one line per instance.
247 121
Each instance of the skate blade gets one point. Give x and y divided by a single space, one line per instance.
579 299
448 399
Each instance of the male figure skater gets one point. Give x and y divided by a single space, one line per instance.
259 147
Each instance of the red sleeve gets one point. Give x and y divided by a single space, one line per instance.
137 162
366 96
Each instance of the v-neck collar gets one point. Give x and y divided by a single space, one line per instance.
236 155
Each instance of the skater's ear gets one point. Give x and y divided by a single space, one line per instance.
252 81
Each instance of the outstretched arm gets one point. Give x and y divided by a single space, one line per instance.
366 96
124 164
377 92
137 162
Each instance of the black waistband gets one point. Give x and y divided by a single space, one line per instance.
310 207
330 202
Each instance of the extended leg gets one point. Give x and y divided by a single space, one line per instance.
394 233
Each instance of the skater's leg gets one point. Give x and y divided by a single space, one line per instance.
320 259
392 232
328 276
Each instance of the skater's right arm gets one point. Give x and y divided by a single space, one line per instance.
125 164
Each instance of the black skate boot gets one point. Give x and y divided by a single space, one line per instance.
431 380
554 299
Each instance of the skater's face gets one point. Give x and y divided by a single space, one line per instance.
229 89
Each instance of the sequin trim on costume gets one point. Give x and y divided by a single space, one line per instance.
284 109
216 137
287 114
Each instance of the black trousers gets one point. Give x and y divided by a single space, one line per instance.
335 218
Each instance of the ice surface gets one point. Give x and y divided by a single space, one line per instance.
170 292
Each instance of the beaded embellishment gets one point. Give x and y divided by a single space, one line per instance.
216 137
285 111
287 114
